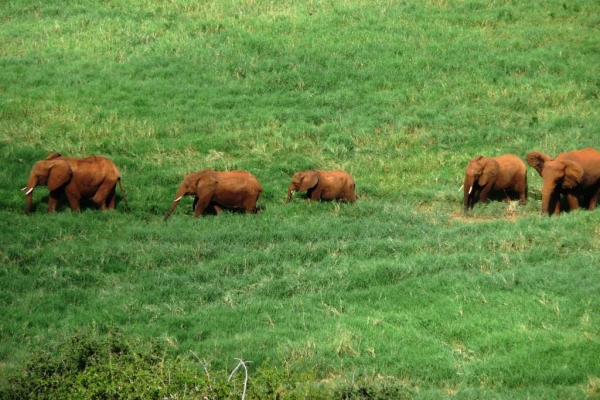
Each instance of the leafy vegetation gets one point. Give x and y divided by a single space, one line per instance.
399 295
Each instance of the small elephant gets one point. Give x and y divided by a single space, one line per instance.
323 185
506 172
94 178
574 174
235 190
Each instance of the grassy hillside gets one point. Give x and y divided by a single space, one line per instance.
399 295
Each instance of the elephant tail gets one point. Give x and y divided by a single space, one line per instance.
123 194
259 204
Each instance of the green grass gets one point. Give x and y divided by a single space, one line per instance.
398 295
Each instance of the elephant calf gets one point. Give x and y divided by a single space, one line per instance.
323 185
506 172
574 174
235 190
94 178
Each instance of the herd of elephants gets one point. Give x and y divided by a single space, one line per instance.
575 175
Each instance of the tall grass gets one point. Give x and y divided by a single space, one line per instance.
400 286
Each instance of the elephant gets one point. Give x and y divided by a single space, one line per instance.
575 174
323 185
94 178
235 190
506 173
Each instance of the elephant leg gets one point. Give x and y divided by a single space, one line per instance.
111 202
73 201
112 199
593 201
524 192
105 196
218 209
99 201
523 196
315 194
250 204
53 201
484 192
201 205
555 205
351 198
573 202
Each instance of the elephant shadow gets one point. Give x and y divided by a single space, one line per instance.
564 204
307 197
503 195
63 204
211 210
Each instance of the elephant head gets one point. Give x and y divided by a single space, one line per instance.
480 172
201 184
558 175
302 181
52 172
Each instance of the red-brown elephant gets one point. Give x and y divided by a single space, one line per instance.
504 173
91 178
575 174
235 190
323 185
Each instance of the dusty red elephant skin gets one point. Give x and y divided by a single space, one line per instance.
503 173
90 178
323 185
234 190
574 174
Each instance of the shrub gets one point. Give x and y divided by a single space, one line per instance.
111 366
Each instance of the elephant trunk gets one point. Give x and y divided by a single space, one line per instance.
290 193
28 203
173 205
31 184
549 198
180 193
469 194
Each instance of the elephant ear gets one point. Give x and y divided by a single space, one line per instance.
59 174
309 180
537 159
573 175
206 184
490 171
53 156
479 157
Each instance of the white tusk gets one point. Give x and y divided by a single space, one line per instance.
29 191
471 188
177 199
461 187
24 188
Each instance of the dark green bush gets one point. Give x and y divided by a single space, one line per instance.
111 366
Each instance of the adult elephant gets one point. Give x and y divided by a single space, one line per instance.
235 190
323 185
574 174
504 173
94 178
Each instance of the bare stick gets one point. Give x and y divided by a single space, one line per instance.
204 364
243 364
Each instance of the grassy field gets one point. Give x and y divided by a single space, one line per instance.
399 295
